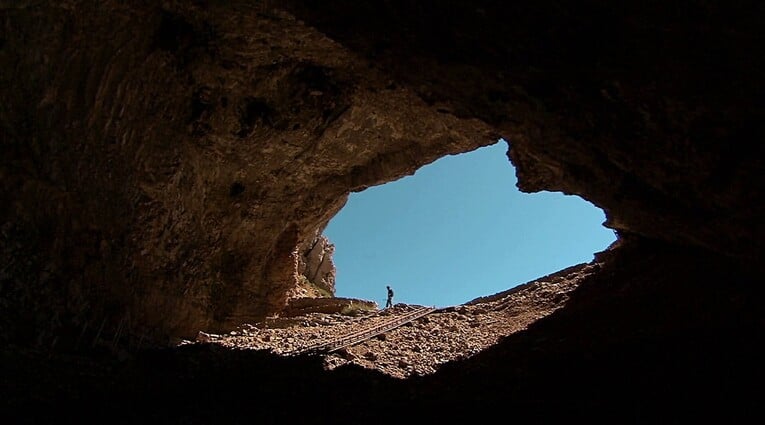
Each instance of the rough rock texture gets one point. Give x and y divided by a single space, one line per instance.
651 110
178 161
649 334
420 347
333 305
169 167
163 164
316 266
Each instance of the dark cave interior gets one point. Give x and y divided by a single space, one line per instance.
164 165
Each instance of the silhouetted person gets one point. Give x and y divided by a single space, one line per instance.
390 298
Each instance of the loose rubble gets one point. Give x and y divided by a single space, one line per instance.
416 348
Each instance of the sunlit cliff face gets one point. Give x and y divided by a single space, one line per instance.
169 168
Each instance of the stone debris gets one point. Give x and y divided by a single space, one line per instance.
418 348
204 337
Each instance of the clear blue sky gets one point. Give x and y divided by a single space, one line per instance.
456 230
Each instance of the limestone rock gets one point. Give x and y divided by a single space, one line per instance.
316 267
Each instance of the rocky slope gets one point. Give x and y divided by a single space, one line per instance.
419 347
610 344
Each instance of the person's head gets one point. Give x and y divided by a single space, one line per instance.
388 287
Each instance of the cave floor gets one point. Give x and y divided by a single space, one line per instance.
606 343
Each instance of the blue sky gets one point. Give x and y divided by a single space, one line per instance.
456 230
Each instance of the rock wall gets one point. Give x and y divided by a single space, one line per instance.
169 167
162 164
651 110
316 267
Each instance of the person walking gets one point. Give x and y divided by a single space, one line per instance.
390 297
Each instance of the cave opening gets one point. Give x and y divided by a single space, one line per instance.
456 230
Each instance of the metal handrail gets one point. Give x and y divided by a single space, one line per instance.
364 334
352 339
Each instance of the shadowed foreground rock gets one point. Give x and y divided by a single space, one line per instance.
625 349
